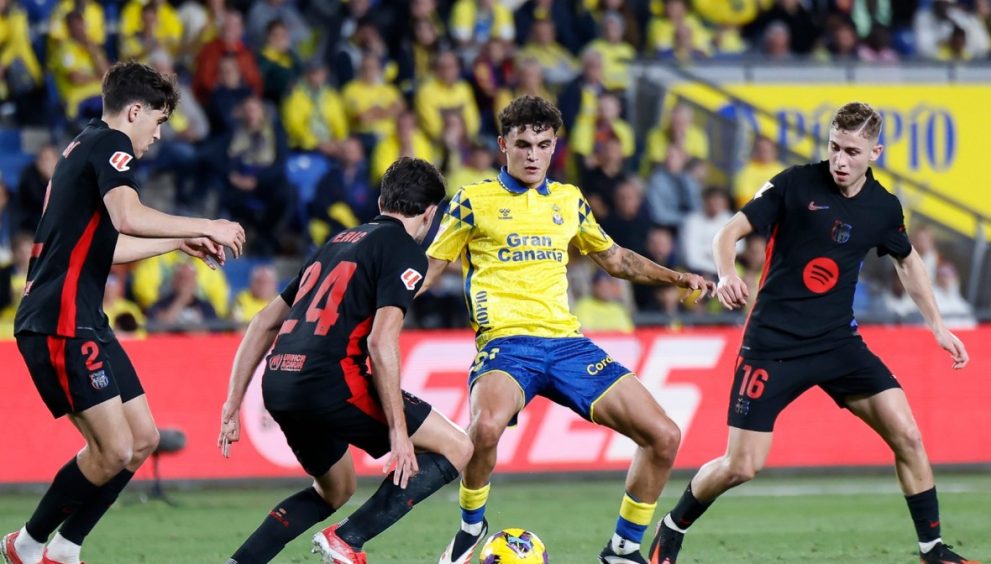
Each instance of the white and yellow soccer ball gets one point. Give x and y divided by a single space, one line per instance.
513 546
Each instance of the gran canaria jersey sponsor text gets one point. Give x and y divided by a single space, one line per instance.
521 248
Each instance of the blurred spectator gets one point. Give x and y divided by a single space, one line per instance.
262 289
428 42
407 141
559 12
947 292
802 29
982 9
896 301
723 13
264 12
473 22
727 42
93 23
776 42
446 92
226 96
179 150
313 113
258 195
78 66
201 21
158 26
182 309
529 82
152 276
126 318
477 166
602 310
371 103
934 27
672 193
600 181
661 248
842 42
699 228
6 224
867 14
632 13
628 222
366 41
678 129
29 200
345 196
876 48
278 64
763 165
924 243
557 63
954 48
20 72
581 96
492 71
661 29
684 49
750 265
589 133
227 44
13 278
616 53
146 37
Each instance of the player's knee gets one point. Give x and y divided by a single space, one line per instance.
115 457
665 439
740 471
485 432
460 451
339 493
145 444
908 440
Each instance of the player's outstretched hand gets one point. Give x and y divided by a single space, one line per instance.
204 249
696 283
230 429
953 345
402 458
229 234
732 291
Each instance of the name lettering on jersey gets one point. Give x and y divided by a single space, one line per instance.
69 148
410 277
482 309
287 362
120 160
514 252
349 237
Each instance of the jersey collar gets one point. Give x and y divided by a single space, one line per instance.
386 219
514 186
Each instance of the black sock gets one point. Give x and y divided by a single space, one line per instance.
69 490
80 523
390 503
924 508
688 509
289 519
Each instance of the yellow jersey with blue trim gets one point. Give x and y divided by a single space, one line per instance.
513 245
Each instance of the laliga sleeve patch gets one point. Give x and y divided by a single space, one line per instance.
120 160
410 277
767 186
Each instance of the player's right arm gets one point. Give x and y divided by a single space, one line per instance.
257 340
133 218
435 267
731 290
456 228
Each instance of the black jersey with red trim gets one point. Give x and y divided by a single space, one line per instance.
817 241
75 241
320 357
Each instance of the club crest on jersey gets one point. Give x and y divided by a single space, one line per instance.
410 278
841 231
558 219
99 380
120 160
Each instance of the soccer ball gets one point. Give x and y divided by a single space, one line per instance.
513 546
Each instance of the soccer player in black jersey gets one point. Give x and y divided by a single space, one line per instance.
93 218
346 307
821 220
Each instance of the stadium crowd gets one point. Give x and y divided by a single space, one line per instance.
292 110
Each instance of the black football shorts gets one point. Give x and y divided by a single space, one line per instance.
73 374
763 388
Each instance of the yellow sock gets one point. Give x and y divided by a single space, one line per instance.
473 503
634 517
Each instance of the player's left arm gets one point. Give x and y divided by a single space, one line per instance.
629 265
912 273
131 249
257 340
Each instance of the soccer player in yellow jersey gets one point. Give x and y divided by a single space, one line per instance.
511 234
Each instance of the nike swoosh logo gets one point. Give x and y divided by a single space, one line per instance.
814 207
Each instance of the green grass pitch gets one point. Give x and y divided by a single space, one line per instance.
774 519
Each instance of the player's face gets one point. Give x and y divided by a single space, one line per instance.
850 154
528 153
146 127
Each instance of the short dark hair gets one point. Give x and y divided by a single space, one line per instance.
410 186
128 81
858 117
531 111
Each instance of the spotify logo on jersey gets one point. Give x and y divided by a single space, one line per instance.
820 274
